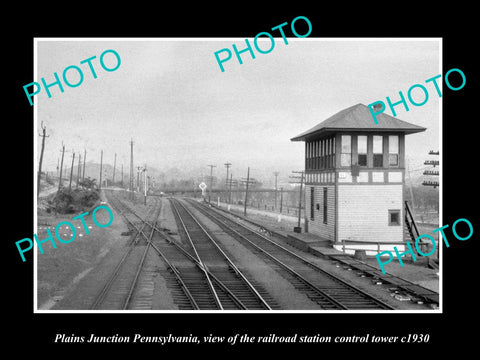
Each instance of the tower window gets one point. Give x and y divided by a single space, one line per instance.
362 150
377 151
393 217
346 152
393 150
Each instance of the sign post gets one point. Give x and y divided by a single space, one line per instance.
203 187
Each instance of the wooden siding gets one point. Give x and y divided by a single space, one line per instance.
363 212
317 226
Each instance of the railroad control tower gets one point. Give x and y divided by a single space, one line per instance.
354 178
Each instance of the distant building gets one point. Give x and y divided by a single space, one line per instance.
354 172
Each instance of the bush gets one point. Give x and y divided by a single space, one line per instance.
74 201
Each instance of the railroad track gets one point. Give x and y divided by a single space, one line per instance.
326 289
201 244
418 293
415 290
118 291
193 285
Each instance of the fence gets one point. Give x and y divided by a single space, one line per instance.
376 247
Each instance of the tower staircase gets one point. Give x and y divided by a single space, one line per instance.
411 232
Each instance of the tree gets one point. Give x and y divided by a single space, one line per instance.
88 183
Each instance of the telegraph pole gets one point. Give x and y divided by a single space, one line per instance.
246 193
230 191
247 182
79 168
139 168
131 170
145 182
101 165
114 166
211 182
301 193
276 173
84 161
230 183
122 176
435 183
281 199
411 185
71 173
226 179
61 168
44 129
238 192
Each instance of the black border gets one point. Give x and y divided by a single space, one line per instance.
229 20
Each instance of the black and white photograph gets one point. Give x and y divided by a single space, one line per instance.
213 192
235 181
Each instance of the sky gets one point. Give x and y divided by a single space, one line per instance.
181 110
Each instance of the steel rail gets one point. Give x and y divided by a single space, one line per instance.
173 241
172 267
289 252
139 269
106 288
179 247
225 256
203 266
199 264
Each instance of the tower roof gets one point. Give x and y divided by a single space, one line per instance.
359 118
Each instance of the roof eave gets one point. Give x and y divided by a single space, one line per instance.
303 137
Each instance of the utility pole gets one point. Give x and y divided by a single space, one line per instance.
435 183
61 169
71 173
211 182
411 185
276 177
79 168
238 192
122 176
231 183
230 191
84 161
131 170
114 165
101 165
301 193
281 199
247 182
145 182
43 135
226 179
139 168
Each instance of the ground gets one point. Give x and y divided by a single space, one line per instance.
60 269
70 275
415 272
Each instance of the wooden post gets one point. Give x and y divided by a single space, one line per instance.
71 173
101 164
79 168
61 169
44 128
246 193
